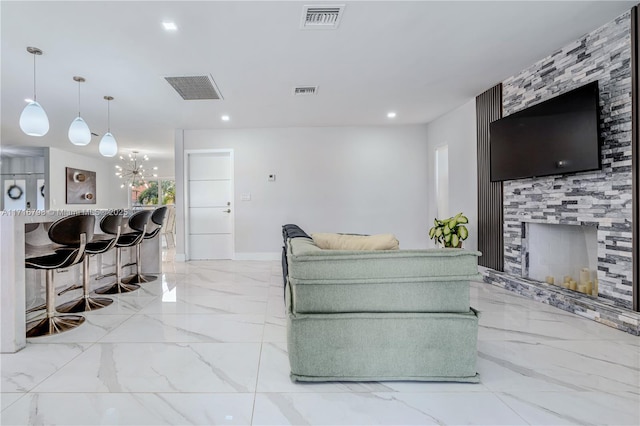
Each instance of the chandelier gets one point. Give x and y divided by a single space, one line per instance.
132 172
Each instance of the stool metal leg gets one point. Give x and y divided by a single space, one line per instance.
85 303
139 277
52 323
118 286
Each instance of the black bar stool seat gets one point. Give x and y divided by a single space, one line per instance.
73 233
138 223
52 261
110 224
157 220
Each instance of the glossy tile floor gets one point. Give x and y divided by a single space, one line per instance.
206 345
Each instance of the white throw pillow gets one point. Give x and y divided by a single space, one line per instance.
330 241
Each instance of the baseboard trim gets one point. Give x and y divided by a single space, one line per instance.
258 256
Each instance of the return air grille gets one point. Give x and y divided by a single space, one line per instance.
322 17
194 87
305 90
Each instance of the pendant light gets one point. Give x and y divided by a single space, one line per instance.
33 120
79 133
108 146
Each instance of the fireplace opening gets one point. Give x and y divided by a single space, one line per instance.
561 255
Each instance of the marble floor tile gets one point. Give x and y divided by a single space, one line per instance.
206 344
154 288
275 329
189 328
207 302
501 326
276 307
274 375
130 409
256 291
159 367
91 330
8 398
129 303
502 372
382 409
577 408
23 370
219 304
276 290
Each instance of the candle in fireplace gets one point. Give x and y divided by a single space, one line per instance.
585 274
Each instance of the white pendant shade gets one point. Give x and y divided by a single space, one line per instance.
33 120
108 146
79 133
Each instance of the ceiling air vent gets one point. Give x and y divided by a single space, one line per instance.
321 17
195 87
305 90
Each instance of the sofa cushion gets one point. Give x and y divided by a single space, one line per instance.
328 241
308 261
376 347
331 281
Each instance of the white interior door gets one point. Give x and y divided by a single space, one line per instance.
209 209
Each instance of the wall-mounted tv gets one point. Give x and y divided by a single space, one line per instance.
557 136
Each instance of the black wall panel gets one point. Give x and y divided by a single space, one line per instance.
490 238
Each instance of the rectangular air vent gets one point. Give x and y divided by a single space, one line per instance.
305 90
321 17
195 87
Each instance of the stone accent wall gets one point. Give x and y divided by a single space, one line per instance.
601 198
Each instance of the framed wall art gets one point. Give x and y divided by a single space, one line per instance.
81 186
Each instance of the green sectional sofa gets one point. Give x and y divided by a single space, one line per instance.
379 315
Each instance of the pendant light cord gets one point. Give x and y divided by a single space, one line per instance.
108 116
34 79
78 98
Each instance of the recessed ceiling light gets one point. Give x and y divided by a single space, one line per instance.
169 26
225 118
391 115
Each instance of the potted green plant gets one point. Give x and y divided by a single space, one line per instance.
450 232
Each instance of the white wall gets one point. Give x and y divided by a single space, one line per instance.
108 192
328 179
457 129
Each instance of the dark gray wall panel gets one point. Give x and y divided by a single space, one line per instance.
490 240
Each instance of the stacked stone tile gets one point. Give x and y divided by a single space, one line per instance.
601 198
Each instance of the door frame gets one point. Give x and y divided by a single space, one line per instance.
187 239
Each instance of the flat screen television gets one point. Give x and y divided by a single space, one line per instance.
557 136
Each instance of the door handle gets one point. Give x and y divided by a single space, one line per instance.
227 211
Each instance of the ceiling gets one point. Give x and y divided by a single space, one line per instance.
420 59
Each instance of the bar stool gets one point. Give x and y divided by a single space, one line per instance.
138 223
72 232
111 224
157 218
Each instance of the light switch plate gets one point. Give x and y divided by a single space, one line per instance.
245 197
